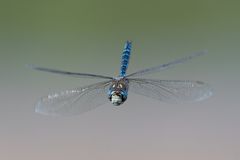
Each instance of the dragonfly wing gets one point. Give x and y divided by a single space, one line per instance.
171 91
167 65
79 75
75 101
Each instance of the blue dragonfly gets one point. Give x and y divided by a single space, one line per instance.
83 99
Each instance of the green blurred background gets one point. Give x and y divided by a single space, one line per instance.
88 36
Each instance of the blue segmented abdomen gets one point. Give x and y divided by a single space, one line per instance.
125 58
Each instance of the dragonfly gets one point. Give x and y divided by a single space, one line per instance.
115 89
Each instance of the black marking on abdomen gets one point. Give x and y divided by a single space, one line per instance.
125 58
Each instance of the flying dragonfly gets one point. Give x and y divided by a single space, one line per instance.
83 99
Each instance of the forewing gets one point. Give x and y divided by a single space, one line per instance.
171 91
75 101
167 65
67 73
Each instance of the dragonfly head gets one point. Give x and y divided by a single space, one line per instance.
117 98
118 91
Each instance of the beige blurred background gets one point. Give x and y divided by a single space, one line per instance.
88 36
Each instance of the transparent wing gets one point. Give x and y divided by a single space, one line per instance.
171 91
75 101
167 65
80 75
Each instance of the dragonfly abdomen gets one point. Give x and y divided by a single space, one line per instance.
125 58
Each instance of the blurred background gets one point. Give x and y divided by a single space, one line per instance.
88 36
